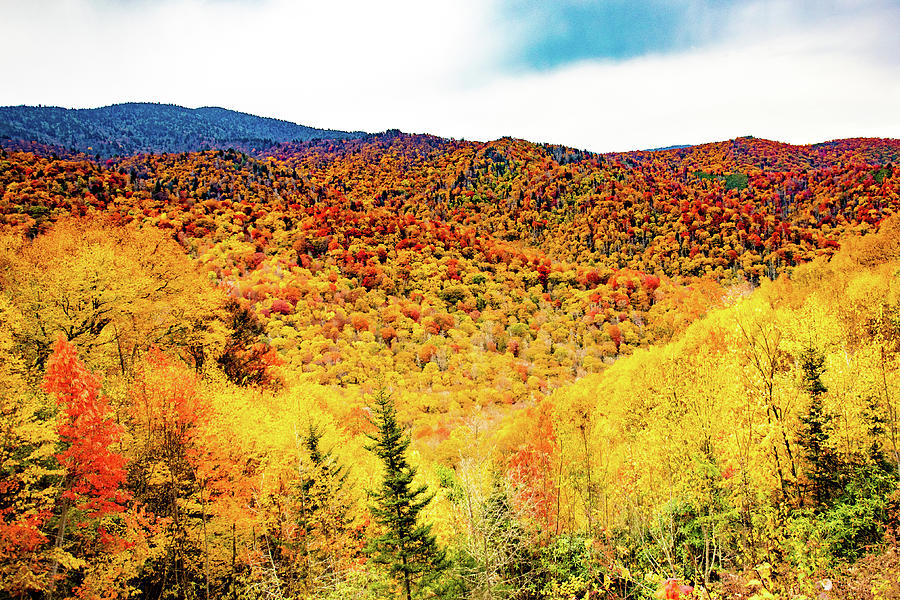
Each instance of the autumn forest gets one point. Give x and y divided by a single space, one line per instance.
403 366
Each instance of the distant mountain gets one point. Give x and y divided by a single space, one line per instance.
134 128
675 147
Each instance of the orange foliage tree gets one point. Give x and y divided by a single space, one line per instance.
94 474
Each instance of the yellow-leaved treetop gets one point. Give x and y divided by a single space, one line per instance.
113 292
28 443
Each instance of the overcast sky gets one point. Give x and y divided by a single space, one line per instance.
602 75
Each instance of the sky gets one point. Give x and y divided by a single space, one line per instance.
603 75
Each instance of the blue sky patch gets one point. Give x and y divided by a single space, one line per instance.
550 34
557 33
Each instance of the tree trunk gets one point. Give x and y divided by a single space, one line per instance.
57 545
406 583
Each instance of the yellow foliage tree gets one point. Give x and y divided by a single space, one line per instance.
112 291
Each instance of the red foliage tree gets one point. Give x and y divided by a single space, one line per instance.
94 473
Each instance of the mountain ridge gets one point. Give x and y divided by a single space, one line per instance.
169 128
145 127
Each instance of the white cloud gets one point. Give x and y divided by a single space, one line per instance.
796 86
436 67
288 58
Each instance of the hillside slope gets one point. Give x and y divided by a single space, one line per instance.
419 257
618 373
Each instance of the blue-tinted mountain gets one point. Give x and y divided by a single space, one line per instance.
134 128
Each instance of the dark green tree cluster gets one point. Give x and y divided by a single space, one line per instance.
406 547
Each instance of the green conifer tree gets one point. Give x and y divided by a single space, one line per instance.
407 548
325 505
823 468
314 556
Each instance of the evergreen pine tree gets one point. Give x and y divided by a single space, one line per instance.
876 426
327 503
407 548
322 502
815 431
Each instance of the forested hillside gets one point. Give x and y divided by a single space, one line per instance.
132 128
632 375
